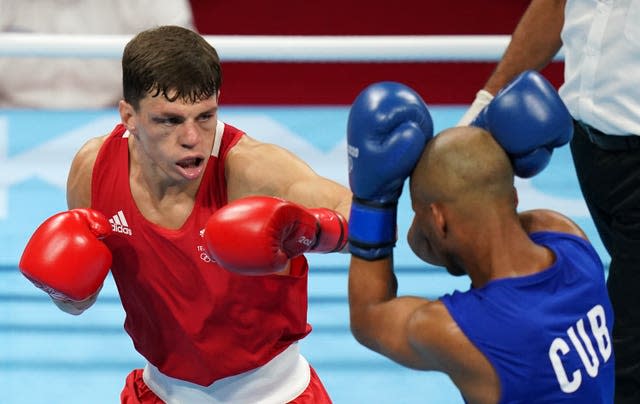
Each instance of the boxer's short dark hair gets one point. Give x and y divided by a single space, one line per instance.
171 61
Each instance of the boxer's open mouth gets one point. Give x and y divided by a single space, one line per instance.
190 163
191 167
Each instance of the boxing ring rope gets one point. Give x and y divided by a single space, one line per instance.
251 48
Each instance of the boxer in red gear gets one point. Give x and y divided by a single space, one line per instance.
209 334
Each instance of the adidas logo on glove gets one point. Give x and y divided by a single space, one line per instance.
119 224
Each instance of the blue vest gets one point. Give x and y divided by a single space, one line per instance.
547 335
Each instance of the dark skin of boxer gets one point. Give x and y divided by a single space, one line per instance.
466 221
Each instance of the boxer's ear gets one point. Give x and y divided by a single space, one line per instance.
439 219
127 115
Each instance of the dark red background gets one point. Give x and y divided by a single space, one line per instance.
339 83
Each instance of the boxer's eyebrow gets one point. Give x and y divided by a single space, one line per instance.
168 118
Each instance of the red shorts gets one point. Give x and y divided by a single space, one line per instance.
135 391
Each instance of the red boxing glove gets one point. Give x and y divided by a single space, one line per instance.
65 257
258 235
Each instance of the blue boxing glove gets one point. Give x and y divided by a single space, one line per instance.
388 127
528 119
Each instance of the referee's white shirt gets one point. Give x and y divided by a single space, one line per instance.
601 45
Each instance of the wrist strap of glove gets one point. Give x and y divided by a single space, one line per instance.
372 228
483 98
50 291
332 230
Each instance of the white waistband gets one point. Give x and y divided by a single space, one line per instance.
278 381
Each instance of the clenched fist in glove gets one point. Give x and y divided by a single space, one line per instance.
389 125
258 235
65 256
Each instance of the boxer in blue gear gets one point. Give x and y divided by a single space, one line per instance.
535 325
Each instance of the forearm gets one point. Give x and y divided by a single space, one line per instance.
534 42
371 283
379 319
255 168
320 192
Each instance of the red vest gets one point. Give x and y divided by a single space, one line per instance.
186 315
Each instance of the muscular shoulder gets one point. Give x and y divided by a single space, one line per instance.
548 220
248 167
254 167
250 153
79 179
245 151
90 149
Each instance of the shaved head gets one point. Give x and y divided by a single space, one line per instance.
463 166
462 192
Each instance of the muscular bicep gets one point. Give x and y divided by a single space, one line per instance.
255 168
399 337
79 179
445 347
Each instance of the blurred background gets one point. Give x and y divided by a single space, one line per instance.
50 106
